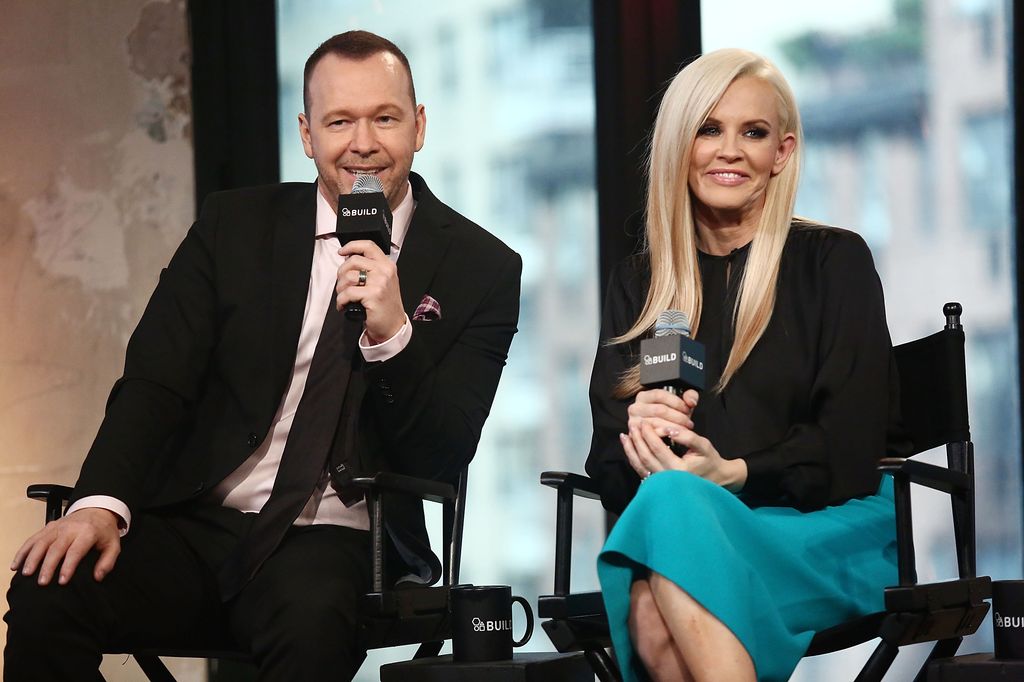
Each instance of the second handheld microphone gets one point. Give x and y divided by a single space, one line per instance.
671 359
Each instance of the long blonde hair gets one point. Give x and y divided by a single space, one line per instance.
671 243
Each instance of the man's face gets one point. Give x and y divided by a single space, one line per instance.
362 119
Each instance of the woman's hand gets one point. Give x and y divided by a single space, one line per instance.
663 410
648 454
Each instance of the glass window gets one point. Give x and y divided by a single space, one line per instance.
907 119
508 90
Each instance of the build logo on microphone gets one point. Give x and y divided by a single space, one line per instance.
348 212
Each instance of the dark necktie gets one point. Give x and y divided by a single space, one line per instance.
303 462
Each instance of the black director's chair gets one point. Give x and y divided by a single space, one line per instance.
388 617
933 398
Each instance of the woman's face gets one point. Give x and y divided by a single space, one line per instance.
738 148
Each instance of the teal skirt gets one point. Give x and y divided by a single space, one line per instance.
774 575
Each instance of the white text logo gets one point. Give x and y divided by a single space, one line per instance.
491 625
658 359
1009 621
358 211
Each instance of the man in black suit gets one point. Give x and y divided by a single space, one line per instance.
164 542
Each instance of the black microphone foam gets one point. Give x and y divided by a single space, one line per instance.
365 214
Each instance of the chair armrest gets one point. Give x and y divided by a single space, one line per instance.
929 475
581 486
43 491
570 605
567 485
55 496
425 489
934 596
957 484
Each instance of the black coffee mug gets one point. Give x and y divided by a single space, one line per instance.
482 623
1008 619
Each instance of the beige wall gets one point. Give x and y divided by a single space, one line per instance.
96 190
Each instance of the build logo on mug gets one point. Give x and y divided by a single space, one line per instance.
482 623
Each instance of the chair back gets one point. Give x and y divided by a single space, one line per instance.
933 401
933 386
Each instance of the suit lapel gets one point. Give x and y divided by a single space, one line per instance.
291 263
424 247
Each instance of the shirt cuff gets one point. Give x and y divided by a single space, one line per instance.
763 473
111 504
386 350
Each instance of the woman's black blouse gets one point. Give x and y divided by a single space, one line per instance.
814 406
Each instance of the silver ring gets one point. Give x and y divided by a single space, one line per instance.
361 282
647 475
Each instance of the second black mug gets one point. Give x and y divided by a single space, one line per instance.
482 623
1008 619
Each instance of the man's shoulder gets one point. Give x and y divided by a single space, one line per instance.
471 232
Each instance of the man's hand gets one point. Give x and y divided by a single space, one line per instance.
64 542
380 294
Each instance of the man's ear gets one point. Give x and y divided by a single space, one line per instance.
421 126
307 140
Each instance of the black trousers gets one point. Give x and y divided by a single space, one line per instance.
297 617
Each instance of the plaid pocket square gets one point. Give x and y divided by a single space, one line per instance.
428 310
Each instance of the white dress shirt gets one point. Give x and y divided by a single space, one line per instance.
249 486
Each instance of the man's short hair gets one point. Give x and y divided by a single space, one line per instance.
358 45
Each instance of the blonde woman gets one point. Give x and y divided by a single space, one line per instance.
774 524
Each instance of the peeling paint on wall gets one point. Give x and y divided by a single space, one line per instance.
158 53
96 191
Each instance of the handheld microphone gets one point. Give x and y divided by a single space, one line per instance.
671 359
364 214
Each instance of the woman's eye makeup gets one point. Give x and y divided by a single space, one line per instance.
753 132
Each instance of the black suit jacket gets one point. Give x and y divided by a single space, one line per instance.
210 360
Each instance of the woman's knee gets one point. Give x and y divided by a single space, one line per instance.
651 638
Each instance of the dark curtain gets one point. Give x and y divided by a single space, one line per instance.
639 45
234 94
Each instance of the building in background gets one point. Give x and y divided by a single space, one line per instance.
906 110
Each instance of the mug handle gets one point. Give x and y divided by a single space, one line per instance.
529 622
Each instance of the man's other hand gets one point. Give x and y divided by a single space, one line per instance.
63 543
